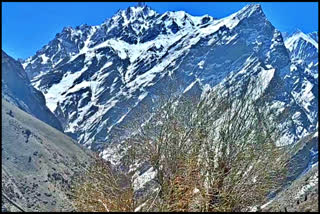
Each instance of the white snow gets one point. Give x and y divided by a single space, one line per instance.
293 67
28 61
138 209
261 83
190 86
121 118
231 38
24 65
292 41
108 64
265 77
285 139
134 51
112 154
296 116
79 86
74 125
266 204
57 62
53 95
44 59
140 180
305 96
200 64
142 96
230 22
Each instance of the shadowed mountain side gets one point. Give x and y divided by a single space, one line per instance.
16 89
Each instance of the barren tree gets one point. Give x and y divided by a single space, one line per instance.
223 147
216 154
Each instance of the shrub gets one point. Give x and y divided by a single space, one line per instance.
223 146
216 154
101 189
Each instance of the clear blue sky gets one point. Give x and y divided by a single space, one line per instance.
27 26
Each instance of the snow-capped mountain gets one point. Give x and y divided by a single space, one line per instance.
97 78
303 47
303 50
314 35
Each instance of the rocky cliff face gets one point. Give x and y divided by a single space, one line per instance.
303 50
97 78
17 89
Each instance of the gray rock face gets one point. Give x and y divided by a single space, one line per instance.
102 76
38 162
16 88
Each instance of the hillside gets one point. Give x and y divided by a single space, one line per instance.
38 162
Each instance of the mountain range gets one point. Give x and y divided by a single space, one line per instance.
95 78
90 81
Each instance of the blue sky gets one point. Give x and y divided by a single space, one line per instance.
27 26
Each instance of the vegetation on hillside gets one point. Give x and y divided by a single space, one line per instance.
218 154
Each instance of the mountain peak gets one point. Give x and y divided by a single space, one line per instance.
253 6
296 31
298 35
141 10
250 10
67 29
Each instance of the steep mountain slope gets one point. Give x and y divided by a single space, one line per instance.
16 88
314 36
303 47
97 78
38 162
303 50
301 196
